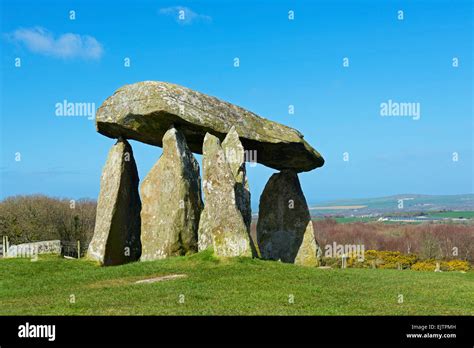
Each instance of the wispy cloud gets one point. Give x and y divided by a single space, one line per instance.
184 15
68 45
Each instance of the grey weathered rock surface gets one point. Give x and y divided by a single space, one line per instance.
235 157
221 226
308 251
283 218
145 110
171 201
116 237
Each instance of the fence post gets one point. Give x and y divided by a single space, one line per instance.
7 246
78 249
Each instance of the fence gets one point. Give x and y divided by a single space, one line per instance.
67 249
33 249
71 249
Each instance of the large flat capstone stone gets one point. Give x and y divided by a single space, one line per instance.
144 111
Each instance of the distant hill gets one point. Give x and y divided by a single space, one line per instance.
411 203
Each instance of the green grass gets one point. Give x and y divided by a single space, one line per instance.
349 219
453 214
239 286
437 214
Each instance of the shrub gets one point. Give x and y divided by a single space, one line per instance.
424 266
36 218
452 265
427 240
354 262
331 262
457 265
388 259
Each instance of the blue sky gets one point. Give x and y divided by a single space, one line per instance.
282 62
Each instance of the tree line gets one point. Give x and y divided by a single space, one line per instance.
34 218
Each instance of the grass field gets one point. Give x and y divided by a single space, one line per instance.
439 214
349 219
239 286
453 214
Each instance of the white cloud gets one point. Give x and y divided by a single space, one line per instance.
69 45
184 15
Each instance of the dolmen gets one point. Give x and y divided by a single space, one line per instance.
167 215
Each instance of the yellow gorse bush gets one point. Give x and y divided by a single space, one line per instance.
397 260
452 265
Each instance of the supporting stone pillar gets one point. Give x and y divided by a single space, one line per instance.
171 201
235 156
308 251
284 227
116 237
222 226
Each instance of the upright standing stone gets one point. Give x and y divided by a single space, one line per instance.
172 204
308 251
222 226
235 157
284 219
116 237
